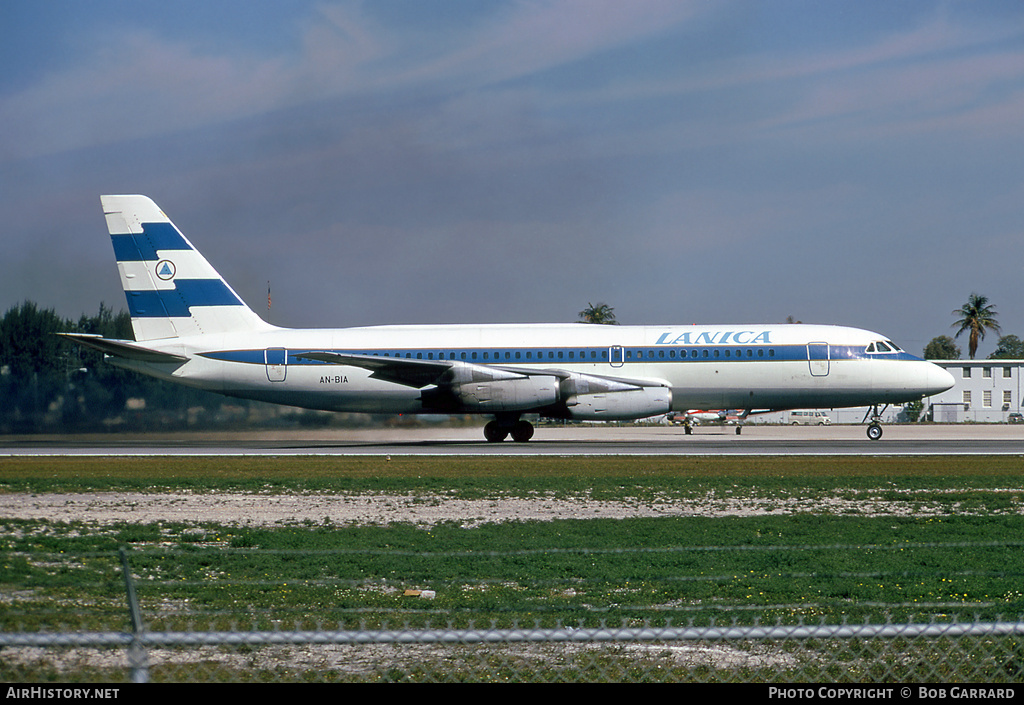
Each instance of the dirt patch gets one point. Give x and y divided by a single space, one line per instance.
244 509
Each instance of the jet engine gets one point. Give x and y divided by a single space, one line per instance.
507 394
621 405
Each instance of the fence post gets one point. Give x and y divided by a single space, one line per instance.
138 660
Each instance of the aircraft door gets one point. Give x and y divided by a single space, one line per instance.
818 358
616 356
277 364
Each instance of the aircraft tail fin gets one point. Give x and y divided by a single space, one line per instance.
172 290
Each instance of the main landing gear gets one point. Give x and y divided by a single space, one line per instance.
875 427
498 430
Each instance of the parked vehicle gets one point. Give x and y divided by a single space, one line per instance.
809 418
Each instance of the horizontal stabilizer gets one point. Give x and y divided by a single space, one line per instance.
122 348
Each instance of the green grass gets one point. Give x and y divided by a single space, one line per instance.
962 554
476 476
957 552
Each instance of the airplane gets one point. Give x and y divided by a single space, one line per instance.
707 415
190 327
696 417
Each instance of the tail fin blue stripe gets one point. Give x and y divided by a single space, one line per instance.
143 248
178 301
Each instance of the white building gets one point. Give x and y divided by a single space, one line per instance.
986 391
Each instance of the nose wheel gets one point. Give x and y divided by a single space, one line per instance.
875 427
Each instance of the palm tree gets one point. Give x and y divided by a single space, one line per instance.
975 316
598 313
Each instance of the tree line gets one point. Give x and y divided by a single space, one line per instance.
48 384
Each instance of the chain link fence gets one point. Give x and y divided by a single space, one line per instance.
220 648
989 652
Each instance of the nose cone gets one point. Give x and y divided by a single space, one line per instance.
936 380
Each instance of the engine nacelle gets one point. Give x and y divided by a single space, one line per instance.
620 406
507 394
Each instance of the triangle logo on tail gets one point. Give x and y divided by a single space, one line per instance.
165 269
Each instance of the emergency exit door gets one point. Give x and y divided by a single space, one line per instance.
277 364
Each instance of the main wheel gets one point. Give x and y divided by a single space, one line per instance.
522 431
494 432
874 431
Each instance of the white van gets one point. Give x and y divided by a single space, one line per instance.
809 418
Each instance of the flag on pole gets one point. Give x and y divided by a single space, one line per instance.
268 295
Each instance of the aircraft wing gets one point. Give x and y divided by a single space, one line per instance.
411 373
122 348
422 373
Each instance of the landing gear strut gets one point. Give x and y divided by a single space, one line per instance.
875 427
498 430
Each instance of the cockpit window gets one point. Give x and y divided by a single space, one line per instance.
883 347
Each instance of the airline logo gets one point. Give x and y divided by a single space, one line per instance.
165 269
739 337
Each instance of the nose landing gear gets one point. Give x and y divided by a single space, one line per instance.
875 427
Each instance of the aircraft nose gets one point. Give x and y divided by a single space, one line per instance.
937 379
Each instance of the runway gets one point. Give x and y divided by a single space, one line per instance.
584 440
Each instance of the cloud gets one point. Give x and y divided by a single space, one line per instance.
143 87
528 38
544 153
135 83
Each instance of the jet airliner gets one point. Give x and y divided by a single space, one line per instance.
190 327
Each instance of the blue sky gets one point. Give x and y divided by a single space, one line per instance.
449 161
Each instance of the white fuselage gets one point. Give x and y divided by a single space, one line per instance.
750 367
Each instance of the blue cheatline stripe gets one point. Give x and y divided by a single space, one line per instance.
554 356
175 303
143 248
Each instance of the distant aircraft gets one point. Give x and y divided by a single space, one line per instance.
707 415
695 417
190 327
